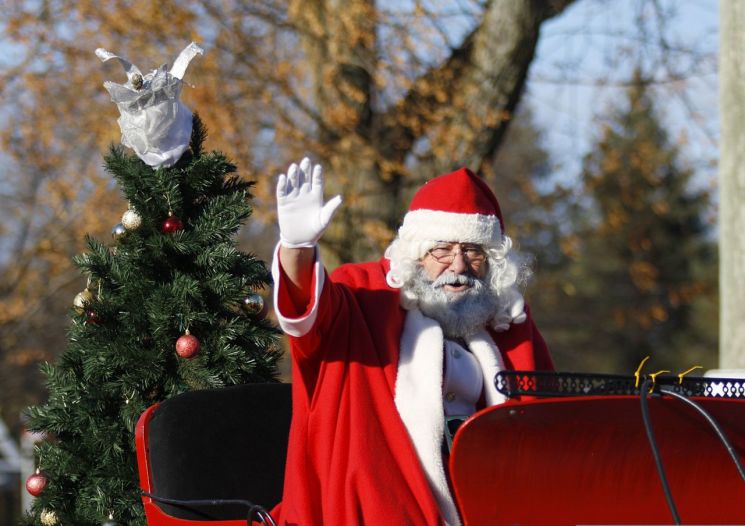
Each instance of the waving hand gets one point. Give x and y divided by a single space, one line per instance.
301 212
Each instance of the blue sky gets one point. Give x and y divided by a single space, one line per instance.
585 55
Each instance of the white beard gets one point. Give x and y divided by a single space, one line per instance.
460 314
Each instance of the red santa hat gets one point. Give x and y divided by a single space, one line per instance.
458 206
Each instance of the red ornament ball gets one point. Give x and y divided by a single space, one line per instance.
187 345
92 317
36 483
171 225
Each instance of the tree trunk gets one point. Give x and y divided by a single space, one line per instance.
462 106
732 185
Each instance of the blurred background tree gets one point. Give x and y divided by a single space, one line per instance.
641 276
384 94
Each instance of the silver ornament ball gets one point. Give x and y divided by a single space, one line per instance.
111 521
118 231
252 304
131 220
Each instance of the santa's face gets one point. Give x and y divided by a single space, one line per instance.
449 259
462 303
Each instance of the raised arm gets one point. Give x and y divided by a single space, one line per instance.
302 217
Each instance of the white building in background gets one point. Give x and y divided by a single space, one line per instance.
10 476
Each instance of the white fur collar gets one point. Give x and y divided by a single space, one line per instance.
419 396
490 359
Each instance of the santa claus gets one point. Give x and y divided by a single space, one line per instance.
384 352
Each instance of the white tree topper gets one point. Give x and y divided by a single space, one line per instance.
153 121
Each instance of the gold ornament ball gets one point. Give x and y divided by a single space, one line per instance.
131 220
82 299
118 231
48 518
252 304
137 81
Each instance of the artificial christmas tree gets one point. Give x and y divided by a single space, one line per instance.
145 291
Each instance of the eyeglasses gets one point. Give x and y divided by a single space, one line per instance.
445 253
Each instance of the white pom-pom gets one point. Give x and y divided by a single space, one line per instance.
517 311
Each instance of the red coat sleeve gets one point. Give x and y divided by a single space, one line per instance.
523 347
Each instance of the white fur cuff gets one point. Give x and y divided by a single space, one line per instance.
297 326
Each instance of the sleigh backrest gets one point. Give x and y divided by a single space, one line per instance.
214 444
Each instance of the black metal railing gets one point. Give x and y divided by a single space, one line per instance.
545 383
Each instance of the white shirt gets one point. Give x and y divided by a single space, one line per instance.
462 381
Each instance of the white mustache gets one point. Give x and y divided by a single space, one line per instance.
453 279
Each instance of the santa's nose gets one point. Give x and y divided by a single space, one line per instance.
459 265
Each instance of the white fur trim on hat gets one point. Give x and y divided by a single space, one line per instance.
450 226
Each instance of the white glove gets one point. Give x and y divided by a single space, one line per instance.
301 213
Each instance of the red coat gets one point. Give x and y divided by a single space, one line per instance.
350 459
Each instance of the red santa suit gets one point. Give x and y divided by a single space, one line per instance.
367 424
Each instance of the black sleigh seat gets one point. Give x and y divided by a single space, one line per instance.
218 444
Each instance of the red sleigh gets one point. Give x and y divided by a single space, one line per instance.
580 451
